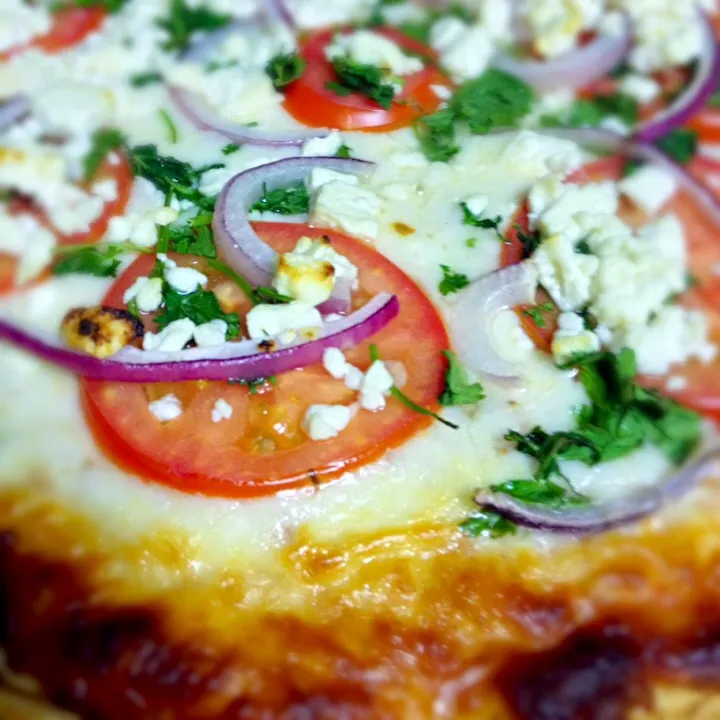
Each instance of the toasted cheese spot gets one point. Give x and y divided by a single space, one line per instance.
230 296
403 229
100 331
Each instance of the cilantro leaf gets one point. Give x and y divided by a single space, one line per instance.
285 68
493 100
89 261
103 142
487 524
184 21
452 282
201 307
436 135
469 218
680 144
230 148
536 313
112 6
291 200
540 492
193 240
148 78
458 391
173 134
590 113
343 151
530 240
367 80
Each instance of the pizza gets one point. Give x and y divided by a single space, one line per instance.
359 360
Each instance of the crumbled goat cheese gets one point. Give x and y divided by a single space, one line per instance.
465 50
167 408
271 321
377 383
335 363
173 338
371 48
323 146
572 339
222 410
640 87
210 334
322 176
324 422
184 279
538 155
147 293
353 210
650 188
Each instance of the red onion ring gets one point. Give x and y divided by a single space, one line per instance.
608 142
198 113
277 11
231 361
12 110
694 97
591 519
240 245
477 306
574 69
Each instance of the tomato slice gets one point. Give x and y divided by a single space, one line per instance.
311 103
706 124
707 170
702 389
115 167
71 26
263 448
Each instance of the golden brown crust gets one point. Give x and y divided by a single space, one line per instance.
445 631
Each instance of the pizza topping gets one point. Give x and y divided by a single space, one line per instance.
167 408
239 243
100 331
323 422
222 410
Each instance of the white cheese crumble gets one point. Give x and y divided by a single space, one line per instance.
345 207
371 48
167 408
640 87
322 176
572 339
375 387
649 187
222 410
173 338
25 238
465 50
335 363
20 23
210 334
323 146
185 280
146 292
272 321
324 422
537 155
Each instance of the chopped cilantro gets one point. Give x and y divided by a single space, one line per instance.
343 151
112 6
436 135
183 21
170 125
230 149
631 166
590 113
133 308
367 80
257 295
487 524
103 142
291 200
192 239
530 240
540 492
583 247
536 314
255 385
285 68
471 242
201 307
493 100
458 391
469 218
89 261
452 282
144 79
401 397
680 144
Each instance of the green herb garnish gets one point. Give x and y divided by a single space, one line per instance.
343 151
184 21
103 142
680 144
291 200
284 69
201 307
536 314
487 524
230 149
367 80
452 281
144 79
89 261
458 391
170 125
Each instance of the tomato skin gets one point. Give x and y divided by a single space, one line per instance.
311 103
71 26
706 124
120 172
707 170
233 458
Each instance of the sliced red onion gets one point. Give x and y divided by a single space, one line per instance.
693 99
608 142
12 110
590 519
203 118
575 69
239 244
232 361
471 317
277 11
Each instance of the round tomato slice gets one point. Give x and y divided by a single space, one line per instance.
71 25
263 449
707 170
701 390
706 124
310 102
116 168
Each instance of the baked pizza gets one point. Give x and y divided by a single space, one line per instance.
359 360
